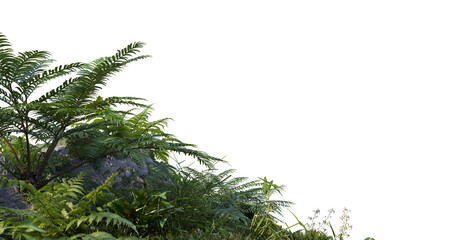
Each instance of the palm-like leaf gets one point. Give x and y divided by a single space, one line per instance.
48 118
134 137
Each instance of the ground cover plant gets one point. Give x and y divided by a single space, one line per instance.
171 202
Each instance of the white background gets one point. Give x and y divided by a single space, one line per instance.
351 104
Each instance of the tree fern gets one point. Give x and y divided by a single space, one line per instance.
74 112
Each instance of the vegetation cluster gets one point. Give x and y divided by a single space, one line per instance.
170 202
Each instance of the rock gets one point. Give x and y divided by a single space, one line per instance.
9 197
129 172
128 169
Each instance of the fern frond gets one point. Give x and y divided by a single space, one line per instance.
98 217
100 103
4 44
94 75
245 186
202 157
141 117
50 74
13 183
82 129
56 92
98 236
225 175
22 214
68 190
92 196
27 63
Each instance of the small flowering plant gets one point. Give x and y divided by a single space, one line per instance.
325 224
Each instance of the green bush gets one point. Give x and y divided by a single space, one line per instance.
173 203
61 211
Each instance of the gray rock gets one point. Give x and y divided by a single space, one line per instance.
9 197
129 172
127 168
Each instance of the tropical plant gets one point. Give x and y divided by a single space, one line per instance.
230 201
264 224
175 202
212 201
203 197
149 211
73 112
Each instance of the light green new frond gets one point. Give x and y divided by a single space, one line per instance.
98 217
140 127
91 197
141 117
67 190
24 214
98 236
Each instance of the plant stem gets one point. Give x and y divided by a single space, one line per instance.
14 153
26 132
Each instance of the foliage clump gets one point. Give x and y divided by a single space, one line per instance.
89 124
173 202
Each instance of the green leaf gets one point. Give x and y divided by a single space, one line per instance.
28 237
100 235
30 225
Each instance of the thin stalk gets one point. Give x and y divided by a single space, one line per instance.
331 228
26 132
284 229
14 153
264 216
51 148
